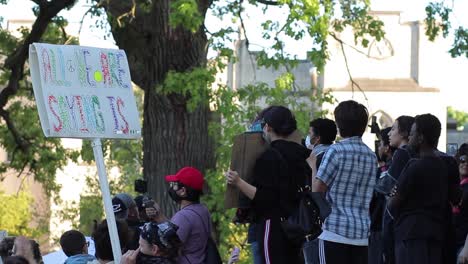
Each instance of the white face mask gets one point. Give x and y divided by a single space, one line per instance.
307 142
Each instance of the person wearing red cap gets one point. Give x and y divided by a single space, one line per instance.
193 218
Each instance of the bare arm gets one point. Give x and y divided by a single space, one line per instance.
246 188
317 184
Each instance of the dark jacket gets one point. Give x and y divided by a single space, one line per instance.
278 173
145 259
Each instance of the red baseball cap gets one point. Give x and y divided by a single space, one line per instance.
188 176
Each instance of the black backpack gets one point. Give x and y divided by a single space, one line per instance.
305 222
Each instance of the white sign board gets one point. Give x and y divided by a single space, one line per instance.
83 92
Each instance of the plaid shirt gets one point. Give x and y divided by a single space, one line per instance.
349 170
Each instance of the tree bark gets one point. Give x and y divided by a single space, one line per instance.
173 137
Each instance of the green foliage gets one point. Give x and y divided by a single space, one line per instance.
438 21
91 209
185 13
460 44
313 18
16 215
459 116
193 84
43 156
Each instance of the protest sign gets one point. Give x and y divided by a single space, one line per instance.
83 92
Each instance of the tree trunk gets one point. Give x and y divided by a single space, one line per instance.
173 137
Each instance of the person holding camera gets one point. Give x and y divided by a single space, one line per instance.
193 218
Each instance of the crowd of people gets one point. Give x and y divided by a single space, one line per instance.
405 202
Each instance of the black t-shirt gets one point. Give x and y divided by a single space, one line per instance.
277 174
461 217
423 191
399 160
377 205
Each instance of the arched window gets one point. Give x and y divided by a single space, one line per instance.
383 119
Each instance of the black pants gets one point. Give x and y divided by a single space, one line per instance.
274 245
336 253
375 249
418 252
388 239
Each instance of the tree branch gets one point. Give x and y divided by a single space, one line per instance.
40 3
19 140
268 2
352 47
353 82
247 42
16 61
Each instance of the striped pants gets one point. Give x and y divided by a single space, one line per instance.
336 253
274 245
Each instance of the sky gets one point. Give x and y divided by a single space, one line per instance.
91 36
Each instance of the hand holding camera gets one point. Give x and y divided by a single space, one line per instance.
152 209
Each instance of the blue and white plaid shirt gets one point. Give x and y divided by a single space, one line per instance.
349 170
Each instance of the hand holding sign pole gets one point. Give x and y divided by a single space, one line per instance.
84 92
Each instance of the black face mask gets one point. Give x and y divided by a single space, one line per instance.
174 196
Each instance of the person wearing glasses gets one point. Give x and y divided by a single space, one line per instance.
75 247
461 209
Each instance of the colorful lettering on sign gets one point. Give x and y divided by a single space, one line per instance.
87 107
79 103
88 68
100 127
62 66
46 66
58 127
112 103
53 67
81 67
120 104
105 69
114 114
71 104
121 71
89 113
53 62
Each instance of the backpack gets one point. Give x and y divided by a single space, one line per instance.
212 255
305 222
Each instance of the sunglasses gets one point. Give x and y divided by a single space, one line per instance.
462 159
178 185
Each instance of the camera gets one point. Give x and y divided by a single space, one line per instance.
375 129
147 202
141 186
